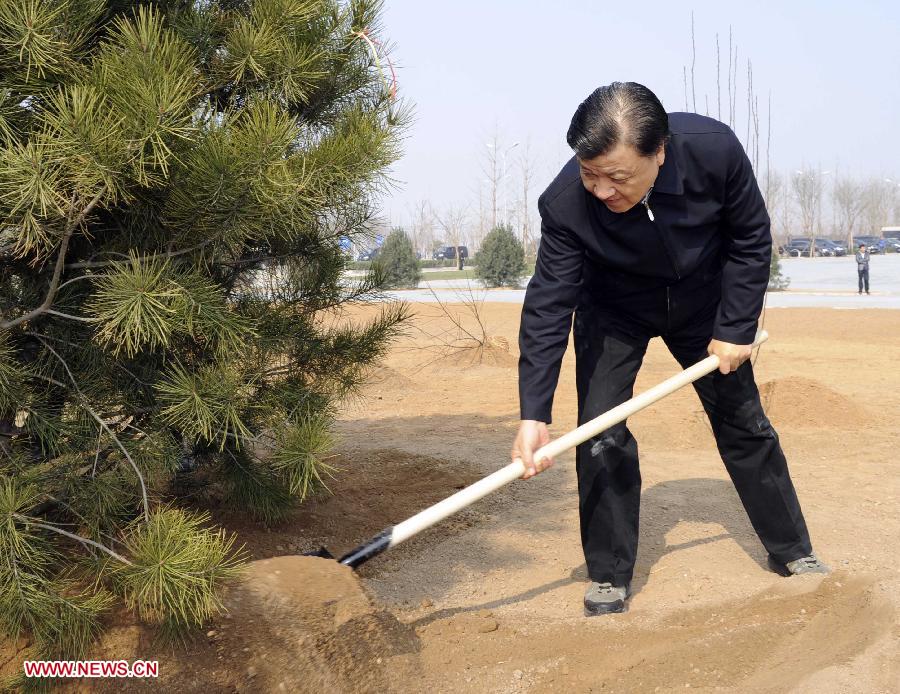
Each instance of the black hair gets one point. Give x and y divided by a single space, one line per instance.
620 112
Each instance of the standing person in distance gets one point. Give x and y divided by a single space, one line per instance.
862 267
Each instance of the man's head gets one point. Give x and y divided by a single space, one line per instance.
862 247
619 135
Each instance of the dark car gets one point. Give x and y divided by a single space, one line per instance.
795 248
830 248
825 247
837 246
449 253
370 254
873 243
891 245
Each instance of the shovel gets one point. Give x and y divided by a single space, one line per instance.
394 535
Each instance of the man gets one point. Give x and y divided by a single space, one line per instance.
655 228
862 267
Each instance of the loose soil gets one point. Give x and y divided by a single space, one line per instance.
490 601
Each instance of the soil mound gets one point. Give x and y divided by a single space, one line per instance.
314 629
382 375
803 402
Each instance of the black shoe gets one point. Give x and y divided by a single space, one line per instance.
604 598
803 565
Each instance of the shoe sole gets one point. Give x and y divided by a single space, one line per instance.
605 608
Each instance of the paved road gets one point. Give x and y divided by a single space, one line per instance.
814 283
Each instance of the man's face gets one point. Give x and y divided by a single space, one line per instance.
621 177
862 249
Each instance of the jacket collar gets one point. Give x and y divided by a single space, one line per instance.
669 180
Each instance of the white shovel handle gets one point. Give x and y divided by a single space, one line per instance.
503 476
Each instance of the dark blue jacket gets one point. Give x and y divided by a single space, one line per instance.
710 235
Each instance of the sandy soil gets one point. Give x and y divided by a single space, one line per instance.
490 601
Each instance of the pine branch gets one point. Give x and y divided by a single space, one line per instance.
72 536
80 319
141 258
99 420
60 262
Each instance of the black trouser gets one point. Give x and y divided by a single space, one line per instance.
609 350
863 279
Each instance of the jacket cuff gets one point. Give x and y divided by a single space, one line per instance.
736 336
536 412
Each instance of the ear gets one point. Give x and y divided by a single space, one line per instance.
661 154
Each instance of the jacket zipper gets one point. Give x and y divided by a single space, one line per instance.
668 309
646 203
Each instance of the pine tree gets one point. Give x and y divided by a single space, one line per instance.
777 280
398 261
501 260
175 178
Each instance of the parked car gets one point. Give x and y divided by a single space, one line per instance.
825 247
370 254
796 248
449 253
830 248
873 243
837 246
891 245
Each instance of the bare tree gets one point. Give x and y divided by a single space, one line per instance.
526 171
877 204
892 193
452 222
483 213
895 216
749 142
422 228
849 202
730 110
734 91
784 217
693 63
778 206
718 78
807 186
494 165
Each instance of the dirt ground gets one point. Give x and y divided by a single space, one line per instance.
490 601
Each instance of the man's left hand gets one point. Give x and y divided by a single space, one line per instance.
730 356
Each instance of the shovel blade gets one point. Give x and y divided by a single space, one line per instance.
321 552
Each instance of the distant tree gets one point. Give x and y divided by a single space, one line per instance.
422 227
453 224
849 203
398 263
808 186
877 204
501 260
777 205
777 280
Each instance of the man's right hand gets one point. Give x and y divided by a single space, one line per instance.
532 435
